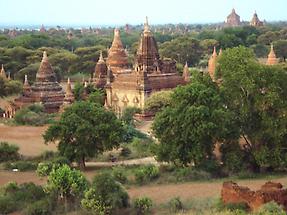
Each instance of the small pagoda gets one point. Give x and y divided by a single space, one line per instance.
255 21
100 74
46 90
272 59
212 63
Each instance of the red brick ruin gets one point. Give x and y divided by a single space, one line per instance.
270 191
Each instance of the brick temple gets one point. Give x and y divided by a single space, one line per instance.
46 90
130 86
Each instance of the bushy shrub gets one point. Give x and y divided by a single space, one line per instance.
270 209
8 152
46 155
190 174
32 115
7 204
146 173
16 197
105 196
211 166
41 207
68 184
235 208
125 151
119 174
143 205
44 169
175 205
21 165
233 157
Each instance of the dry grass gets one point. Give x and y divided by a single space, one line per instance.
28 138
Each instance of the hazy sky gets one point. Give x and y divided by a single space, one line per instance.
116 12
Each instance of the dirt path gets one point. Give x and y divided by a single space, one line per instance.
28 138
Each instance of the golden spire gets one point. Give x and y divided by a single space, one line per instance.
214 54
101 59
3 73
69 88
272 59
185 74
26 80
45 56
26 85
146 27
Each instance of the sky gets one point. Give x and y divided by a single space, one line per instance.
120 12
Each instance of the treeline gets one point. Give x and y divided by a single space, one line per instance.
78 54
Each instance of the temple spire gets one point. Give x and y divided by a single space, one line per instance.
185 74
101 59
146 27
214 54
69 88
272 59
45 56
3 73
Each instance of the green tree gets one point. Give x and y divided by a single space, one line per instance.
105 196
257 95
188 129
182 49
158 100
68 184
85 130
280 47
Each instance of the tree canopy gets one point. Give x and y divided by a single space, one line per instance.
85 130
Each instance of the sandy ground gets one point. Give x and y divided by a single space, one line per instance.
28 138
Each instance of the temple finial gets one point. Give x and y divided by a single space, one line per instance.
101 59
45 56
26 79
146 26
214 52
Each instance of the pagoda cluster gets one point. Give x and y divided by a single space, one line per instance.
271 60
125 84
233 20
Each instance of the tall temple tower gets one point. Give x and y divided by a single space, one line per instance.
131 88
117 56
255 21
212 64
147 53
232 20
272 59
3 72
100 74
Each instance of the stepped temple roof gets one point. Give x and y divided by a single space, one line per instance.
100 74
117 56
45 90
255 21
233 19
147 53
